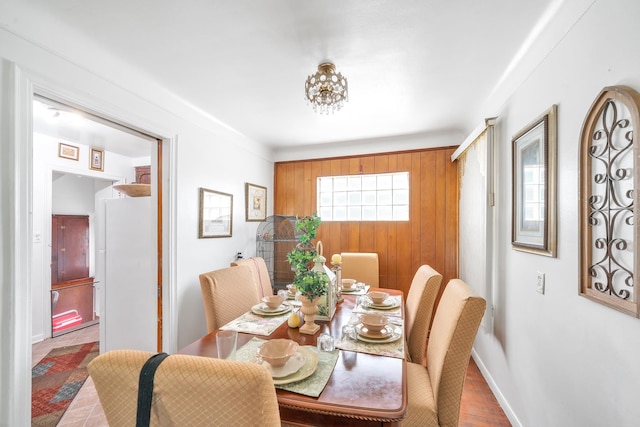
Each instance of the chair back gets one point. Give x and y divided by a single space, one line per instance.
361 266
227 293
260 274
419 305
453 332
187 390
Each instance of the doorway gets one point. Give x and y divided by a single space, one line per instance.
64 138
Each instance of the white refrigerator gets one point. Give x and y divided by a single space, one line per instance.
129 310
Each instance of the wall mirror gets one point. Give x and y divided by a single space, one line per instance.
216 214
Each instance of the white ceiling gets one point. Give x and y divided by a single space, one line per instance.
413 66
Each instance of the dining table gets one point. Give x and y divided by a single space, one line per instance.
363 389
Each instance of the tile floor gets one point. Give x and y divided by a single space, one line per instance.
85 410
479 407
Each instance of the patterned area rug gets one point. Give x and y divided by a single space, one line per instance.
55 381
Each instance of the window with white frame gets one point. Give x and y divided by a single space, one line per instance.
372 197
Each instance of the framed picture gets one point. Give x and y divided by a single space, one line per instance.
96 159
534 186
255 202
67 151
216 214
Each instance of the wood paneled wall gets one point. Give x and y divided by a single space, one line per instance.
429 237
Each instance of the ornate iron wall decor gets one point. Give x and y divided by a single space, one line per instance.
609 178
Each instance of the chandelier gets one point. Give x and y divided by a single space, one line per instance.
326 90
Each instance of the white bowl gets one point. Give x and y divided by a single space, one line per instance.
374 322
348 283
378 297
276 352
273 301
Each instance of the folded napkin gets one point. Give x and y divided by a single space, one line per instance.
252 323
395 312
391 349
310 386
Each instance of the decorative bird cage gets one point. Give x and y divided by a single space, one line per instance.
276 236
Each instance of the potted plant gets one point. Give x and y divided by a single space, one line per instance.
309 283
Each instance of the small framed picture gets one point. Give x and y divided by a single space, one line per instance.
534 186
67 151
216 214
255 202
96 159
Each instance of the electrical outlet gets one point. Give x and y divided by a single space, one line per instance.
540 283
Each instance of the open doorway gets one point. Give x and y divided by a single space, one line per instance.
78 158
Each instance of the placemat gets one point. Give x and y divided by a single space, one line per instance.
392 349
396 312
311 386
254 324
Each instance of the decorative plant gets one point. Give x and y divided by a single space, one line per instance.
312 284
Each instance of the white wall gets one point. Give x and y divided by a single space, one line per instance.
76 192
559 359
204 154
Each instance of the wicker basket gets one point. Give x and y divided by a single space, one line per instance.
134 190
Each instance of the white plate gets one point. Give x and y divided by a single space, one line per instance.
386 305
264 307
395 336
385 332
257 309
311 361
292 366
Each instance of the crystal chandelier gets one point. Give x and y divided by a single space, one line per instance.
326 90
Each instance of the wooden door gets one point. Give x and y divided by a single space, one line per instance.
70 248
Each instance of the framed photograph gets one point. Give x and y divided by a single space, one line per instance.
255 202
96 159
67 151
216 214
534 186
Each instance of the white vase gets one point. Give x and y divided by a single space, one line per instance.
309 309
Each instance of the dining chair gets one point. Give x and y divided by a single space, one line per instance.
434 391
260 274
362 266
227 293
187 390
418 311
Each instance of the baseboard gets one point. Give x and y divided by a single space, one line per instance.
504 404
37 338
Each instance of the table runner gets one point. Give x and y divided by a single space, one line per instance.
395 312
254 324
392 349
310 386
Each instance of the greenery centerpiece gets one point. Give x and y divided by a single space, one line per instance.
311 284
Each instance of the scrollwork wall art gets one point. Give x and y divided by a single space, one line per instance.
609 179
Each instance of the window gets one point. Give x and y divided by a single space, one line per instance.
375 197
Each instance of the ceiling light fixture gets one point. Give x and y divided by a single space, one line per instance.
326 90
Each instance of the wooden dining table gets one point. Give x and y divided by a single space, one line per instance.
363 390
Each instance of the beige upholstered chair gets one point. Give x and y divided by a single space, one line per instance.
362 266
418 310
260 274
187 391
435 391
227 293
